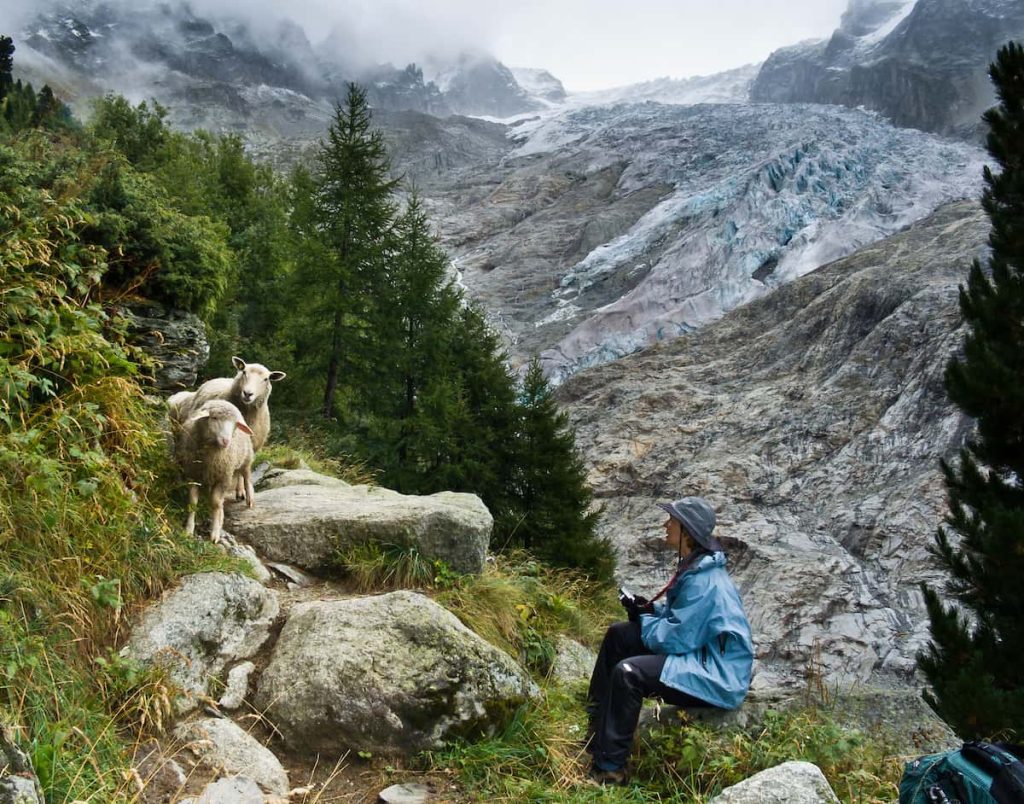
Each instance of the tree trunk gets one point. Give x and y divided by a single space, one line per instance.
333 367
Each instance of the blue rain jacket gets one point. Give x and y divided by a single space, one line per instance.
703 629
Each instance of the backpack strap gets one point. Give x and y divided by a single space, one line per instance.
1004 766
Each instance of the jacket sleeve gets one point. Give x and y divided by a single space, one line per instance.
687 625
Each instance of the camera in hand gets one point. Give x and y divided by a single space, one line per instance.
635 605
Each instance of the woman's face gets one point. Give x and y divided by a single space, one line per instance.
676 538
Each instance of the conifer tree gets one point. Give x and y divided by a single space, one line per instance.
557 520
6 65
354 211
412 338
974 662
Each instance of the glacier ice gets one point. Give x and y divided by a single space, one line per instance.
761 194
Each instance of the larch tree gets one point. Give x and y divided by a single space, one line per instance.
973 662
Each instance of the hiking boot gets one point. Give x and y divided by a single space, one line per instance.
608 777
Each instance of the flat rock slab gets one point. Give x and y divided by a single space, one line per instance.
390 674
305 518
195 630
788 783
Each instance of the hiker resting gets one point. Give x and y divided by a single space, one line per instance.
693 649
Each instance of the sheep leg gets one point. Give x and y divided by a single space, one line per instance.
241 493
193 503
217 514
245 478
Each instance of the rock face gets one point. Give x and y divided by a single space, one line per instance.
197 629
387 674
221 743
813 420
306 517
788 783
176 340
922 64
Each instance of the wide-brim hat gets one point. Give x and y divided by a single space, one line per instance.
697 516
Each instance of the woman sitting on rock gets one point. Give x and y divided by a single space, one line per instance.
692 650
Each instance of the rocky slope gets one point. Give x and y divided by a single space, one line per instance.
922 63
814 420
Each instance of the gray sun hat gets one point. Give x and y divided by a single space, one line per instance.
698 518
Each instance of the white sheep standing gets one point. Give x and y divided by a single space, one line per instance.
248 390
214 450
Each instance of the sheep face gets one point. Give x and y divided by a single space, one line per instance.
253 381
220 420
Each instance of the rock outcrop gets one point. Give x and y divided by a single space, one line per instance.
814 420
175 340
389 674
303 518
788 783
922 64
197 629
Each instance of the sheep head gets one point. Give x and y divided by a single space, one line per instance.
252 383
219 421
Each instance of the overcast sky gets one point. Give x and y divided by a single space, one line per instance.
588 44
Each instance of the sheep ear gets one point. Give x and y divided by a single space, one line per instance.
203 414
238 363
277 375
243 427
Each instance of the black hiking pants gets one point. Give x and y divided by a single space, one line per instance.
625 673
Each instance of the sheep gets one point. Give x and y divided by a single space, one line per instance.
249 391
214 450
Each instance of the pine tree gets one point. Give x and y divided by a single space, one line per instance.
354 214
557 520
6 65
974 660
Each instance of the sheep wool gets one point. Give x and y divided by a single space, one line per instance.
215 452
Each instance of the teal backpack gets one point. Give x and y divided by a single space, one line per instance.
977 773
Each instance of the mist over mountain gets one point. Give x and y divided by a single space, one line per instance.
183 57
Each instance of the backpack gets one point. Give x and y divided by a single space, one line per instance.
976 773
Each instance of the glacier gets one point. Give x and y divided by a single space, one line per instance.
759 194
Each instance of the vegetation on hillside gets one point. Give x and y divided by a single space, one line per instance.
974 666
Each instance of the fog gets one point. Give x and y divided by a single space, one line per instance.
588 44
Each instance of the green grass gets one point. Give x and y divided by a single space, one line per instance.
539 757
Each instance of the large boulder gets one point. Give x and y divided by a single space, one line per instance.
211 620
304 518
393 673
224 745
788 783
